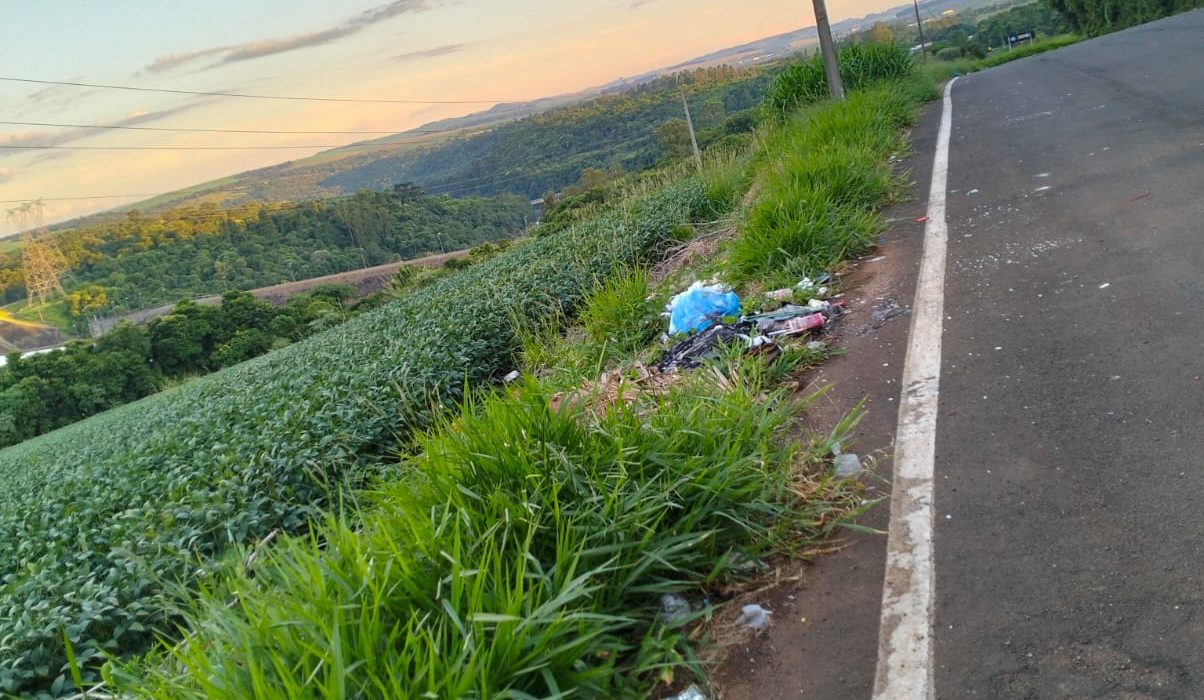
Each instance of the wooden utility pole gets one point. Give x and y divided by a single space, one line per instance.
920 29
828 49
690 125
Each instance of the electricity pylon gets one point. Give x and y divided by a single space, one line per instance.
43 263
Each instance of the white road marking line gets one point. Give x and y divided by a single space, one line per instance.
905 662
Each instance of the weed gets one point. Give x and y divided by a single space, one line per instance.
861 66
817 198
524 557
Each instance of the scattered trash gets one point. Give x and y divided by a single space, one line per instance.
798 325
756 331
674 608
890 309
623 384
1143 195
973 191
845 464
921 219
816 346
880 257
785 321
754 616
691 693
513 376
692 351
700 306
1105 285
805 287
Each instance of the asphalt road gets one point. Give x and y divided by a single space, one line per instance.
1070 436
1069 462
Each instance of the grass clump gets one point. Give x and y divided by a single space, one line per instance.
523 557
623 314
830 170
861 66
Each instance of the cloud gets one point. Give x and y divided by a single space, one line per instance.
175 60
433 52
6 174
54 98
637 4
268 47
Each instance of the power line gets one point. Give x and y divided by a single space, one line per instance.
214 131
252 96
331 146
73 199
433 188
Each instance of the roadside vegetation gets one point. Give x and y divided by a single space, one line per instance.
392 523
1096 17
943 70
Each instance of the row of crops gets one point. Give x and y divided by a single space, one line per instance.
101 523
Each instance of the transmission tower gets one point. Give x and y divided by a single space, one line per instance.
43 263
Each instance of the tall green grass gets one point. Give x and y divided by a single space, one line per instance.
828 169
622 315
861 66
522 557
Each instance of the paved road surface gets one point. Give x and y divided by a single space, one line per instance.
1070 438
1069 462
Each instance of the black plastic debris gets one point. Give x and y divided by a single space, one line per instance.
783 321
693 351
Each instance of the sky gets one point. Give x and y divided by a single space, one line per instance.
471 52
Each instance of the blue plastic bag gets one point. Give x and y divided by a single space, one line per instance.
701 305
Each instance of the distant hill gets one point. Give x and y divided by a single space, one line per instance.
416 155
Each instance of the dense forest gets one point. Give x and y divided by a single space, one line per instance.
42 392
143 260
545 152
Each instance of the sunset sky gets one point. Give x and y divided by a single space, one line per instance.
483 51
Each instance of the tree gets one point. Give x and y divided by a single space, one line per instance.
126 337
408 192
673 140
709 114
243 345
86 300
181 341
240 310
593 177
740 122
880 33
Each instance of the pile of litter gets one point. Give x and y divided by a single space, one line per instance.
704 310
700 306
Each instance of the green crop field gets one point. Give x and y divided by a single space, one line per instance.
101 521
